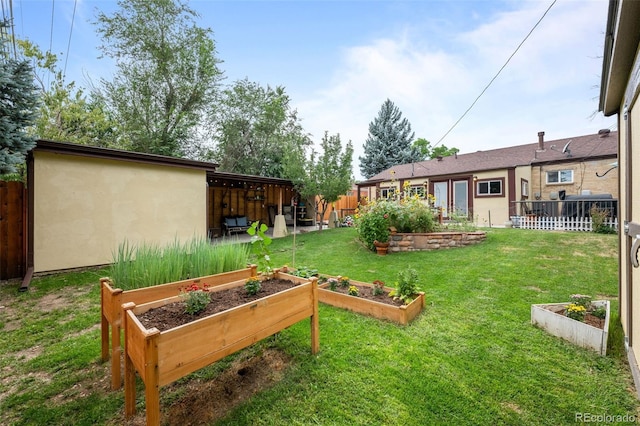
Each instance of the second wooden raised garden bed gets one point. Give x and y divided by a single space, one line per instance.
400 314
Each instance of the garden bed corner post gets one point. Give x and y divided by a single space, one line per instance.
315 319
111 299
152 375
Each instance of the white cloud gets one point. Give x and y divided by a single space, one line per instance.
548 85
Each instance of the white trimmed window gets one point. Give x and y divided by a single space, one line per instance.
560 176
489 187
417 189
387 192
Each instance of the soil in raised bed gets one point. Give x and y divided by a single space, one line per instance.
173 315
592 320
366 292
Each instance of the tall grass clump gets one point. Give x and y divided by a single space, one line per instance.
144 265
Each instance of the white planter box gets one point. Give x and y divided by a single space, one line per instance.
576 332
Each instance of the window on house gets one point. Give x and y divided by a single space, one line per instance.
417 190
524 186
387 192
560 176
489 187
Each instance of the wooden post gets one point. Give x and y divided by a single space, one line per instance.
152 384
104 324
315 319
129 375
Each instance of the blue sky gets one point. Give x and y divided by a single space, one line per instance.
340 60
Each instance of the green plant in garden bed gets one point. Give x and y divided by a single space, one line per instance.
252 286
260 243
195 298
144 265
406 286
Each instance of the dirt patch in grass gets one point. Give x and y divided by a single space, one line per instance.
28 354
205 402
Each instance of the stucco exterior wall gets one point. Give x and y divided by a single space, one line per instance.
635 217
85 207
491 210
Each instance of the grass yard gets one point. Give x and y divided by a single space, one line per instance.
471 358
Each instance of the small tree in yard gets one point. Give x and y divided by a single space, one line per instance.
18 109
323 177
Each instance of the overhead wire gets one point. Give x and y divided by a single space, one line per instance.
73 17
53 8
496 75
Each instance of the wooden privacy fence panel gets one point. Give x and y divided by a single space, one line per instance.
561 223
12 230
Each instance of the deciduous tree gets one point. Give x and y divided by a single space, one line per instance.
324 176
255 128
167 73
427 151
66 112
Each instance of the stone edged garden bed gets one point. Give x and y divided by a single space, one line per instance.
163 357
399 242
402 315
550 318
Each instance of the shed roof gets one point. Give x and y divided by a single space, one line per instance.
119 154
600 145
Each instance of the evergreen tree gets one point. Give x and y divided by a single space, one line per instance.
18 106
388 142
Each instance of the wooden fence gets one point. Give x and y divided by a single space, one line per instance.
559 223
13 208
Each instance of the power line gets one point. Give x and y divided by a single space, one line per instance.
495 76
73 17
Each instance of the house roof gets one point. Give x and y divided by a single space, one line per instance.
620 45
600 145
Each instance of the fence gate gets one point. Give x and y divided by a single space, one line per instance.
12 230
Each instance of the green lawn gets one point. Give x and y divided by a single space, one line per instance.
471 358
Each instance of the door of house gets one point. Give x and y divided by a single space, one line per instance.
461 197
441 192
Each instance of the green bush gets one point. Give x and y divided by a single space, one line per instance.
409 214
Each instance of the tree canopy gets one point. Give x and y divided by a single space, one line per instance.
388 142
18 108
167 73
255 128
323 176
427 151
66 113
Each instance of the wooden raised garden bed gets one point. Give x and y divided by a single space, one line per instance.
400 314
112 300
163 357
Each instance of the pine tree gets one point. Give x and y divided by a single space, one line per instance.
18 106
388 142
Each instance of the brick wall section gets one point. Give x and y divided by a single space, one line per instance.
434 241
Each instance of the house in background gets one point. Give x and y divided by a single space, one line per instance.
619 93
491 186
